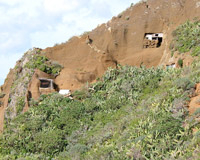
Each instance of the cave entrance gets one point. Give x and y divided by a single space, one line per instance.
47 86
46 83
152 40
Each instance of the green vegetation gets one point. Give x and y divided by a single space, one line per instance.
130 113
42 63
187 38
20 104
180 63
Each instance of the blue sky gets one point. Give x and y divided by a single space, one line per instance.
25 24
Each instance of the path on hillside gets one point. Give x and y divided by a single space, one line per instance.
94 47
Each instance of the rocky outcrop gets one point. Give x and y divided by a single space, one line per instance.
33 89
18 88
15 88
120 41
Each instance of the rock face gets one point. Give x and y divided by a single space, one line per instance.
21 84
16 88
33 89
119 41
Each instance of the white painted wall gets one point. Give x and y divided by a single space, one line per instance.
150 36
64 91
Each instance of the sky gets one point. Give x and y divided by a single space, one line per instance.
25 24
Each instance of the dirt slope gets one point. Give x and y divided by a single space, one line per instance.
119 41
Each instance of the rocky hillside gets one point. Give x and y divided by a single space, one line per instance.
120 41
87 57
130 113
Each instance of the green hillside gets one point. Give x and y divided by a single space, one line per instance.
130 113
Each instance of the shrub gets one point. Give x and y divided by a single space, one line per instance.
179 108
186 38
44 64
180 63
20 104
196 51
184 83
81 94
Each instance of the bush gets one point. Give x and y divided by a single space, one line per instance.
180 63
186 38
20 104
196 51
44 64
184 83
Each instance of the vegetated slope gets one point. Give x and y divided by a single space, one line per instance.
130 113
15 92
120 41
